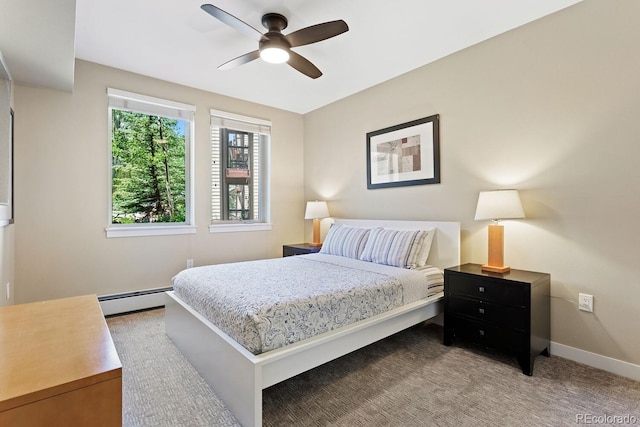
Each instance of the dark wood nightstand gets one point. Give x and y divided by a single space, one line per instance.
299 249
506 311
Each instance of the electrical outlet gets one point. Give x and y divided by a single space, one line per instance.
585 302
190 263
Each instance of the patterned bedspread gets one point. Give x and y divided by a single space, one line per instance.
267 304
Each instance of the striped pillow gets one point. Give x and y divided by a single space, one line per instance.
345 241
398 248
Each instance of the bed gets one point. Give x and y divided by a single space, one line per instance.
239 368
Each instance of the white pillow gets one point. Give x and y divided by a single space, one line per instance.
345 241
398 248
423 254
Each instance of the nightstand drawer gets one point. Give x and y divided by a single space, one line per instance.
487 291
486 334
513 317
291 251
299 249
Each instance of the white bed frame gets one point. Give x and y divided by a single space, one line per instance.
238 377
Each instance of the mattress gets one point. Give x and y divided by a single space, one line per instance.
267 304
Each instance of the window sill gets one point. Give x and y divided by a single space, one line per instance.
151 230
239 227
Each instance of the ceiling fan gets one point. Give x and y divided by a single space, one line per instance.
275 47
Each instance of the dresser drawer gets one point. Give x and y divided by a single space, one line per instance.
509 316
485 290
488 335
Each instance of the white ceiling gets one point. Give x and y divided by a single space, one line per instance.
37 41
178 42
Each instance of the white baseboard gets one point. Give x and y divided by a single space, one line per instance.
599 361
132 301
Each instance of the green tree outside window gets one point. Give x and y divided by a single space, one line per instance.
148 168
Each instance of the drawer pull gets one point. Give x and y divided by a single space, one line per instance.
481 310
481 288
481 332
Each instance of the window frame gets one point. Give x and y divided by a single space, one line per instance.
128 101
259 126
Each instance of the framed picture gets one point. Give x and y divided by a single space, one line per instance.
405 154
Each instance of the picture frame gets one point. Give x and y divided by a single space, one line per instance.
404 154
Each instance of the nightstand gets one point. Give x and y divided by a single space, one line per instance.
299 249
506 311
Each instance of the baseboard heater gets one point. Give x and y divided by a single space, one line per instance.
132 301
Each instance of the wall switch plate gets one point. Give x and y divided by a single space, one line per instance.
585 302
8 291
190 263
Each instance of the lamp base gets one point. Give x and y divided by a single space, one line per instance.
495 263
315 245
316 233
495 269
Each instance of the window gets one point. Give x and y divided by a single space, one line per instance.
151 142
239 172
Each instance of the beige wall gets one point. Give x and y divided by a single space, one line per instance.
62 173
7 264
552 109
7 256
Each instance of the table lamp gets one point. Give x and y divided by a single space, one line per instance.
497 205
315 211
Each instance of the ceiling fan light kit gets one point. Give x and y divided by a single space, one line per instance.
275 47
274 55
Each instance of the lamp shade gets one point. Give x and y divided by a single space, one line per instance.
499 204
316 210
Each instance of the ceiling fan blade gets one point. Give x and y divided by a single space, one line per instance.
243 59
303 65
233 22
316 33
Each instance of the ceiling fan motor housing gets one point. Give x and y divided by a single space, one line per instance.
274 22
274 40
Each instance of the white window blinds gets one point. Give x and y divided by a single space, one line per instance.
222 119
149 105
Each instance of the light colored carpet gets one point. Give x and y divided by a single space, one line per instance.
409 379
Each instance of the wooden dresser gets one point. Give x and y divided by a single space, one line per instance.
508 311
58 365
